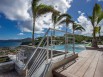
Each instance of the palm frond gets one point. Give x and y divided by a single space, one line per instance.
55 17
91 19
96 12
100 17
35 3
42 9
78 27
62 22
64 16
96 28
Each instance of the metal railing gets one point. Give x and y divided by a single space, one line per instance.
42 55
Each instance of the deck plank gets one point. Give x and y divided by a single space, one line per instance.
82 58
85 66
99 69
81 63
89 64
91 70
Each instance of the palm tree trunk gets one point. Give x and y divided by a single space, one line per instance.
73 43
66 42
33 32
94 40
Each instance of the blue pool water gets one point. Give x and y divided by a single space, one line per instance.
9 44
78 47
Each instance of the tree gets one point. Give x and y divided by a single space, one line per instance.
97 16
38 10
97 31
75 27
65 18
55 16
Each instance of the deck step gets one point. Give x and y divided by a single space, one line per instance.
57 71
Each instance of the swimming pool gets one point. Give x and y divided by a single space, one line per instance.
78 47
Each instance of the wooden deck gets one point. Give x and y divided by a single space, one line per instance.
88 64
10 74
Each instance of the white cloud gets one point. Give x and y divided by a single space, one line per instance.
83 20
79 12
21 10
15 9
21 34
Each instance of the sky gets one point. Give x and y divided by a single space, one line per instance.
16 17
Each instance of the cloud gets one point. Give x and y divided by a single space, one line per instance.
15 9
84 21
79 12
21 10
21 34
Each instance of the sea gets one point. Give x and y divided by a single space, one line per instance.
11 44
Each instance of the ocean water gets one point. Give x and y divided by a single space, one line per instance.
78 47
9 44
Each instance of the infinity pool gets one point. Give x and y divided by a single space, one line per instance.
78 47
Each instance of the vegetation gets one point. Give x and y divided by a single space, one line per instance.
97 16
4 59
79 39
38 10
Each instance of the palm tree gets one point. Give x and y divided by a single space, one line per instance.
38 10
76 27
65 18
97 31
97 16
55 16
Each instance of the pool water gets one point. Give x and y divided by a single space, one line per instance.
78 47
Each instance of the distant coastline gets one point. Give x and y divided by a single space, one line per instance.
13 43
9 44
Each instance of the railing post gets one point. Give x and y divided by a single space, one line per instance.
51 45
47 48
73 44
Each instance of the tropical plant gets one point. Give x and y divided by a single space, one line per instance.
55 16
97 31
65 18
97 16
38 10
75 27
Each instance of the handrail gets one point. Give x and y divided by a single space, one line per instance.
36 49
60 30
42 55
